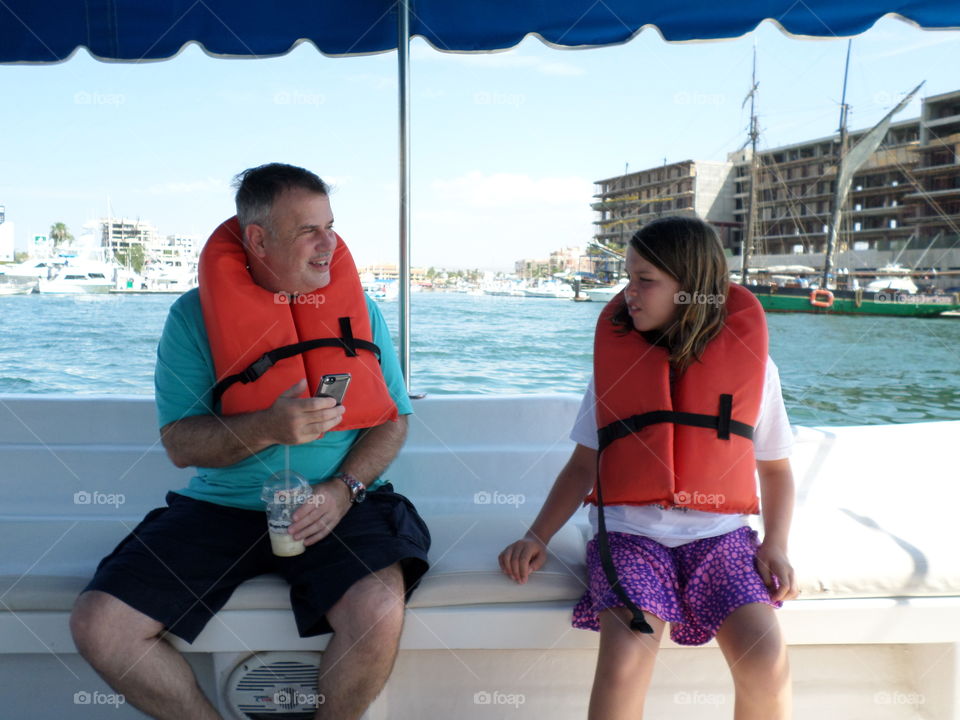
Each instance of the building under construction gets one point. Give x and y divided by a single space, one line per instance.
690 187
904 202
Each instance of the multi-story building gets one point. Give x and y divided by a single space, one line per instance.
626 202
120 235
390 271
527 268
795 186
906 196
934 198
566 260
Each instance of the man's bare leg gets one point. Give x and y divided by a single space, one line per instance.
124 647
367 622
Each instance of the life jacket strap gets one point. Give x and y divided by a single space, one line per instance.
638 622
722 423
349 342
258 367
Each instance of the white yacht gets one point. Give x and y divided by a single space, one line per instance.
552 289
23 278
80 278
605 294
893 278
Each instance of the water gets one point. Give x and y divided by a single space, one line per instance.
835 370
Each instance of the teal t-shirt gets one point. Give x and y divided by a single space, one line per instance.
184 379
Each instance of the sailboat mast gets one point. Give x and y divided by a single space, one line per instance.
838 190
754 177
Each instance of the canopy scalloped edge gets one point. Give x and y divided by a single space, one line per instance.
431 39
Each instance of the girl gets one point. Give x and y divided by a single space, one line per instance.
683 411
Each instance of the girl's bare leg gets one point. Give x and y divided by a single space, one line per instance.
624 666
752 643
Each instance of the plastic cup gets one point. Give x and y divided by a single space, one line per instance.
283 492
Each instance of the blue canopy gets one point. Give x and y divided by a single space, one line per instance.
50 30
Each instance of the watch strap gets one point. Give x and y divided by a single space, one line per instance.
358 490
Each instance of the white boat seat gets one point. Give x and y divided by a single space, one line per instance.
896 556
464 571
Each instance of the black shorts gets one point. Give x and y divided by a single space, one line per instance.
180 565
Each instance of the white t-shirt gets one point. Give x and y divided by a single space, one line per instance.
772 440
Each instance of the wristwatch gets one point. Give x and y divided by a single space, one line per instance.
358 491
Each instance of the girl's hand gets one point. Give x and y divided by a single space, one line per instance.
772 562
523 557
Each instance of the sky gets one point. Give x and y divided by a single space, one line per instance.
506 146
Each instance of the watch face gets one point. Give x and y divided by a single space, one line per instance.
361 495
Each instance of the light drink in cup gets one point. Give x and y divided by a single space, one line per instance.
283 492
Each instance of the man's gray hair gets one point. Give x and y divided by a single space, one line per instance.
259 187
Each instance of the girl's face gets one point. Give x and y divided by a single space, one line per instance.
651 294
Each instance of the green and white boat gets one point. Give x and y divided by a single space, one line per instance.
854 302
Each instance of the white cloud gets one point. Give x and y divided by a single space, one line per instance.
929 39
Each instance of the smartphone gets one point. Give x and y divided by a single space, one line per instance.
334 386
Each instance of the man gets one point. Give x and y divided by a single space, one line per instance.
272 278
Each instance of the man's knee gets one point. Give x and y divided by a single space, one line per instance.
101 623
372 606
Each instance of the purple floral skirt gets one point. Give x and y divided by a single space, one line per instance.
694 587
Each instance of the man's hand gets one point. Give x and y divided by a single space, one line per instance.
219 441
772 562
293 420
326 506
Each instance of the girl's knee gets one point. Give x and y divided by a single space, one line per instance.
753 646
764 666
625 648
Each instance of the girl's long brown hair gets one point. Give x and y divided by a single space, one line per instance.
688 249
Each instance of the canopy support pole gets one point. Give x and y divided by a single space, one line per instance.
403 67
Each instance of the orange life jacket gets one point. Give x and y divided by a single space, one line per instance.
690 447
255 334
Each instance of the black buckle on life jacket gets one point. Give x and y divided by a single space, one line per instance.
723 418
256 368
346 337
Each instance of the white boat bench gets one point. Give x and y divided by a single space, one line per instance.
875 634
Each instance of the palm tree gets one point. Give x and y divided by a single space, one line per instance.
60 234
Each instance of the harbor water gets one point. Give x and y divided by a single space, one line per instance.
834 370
